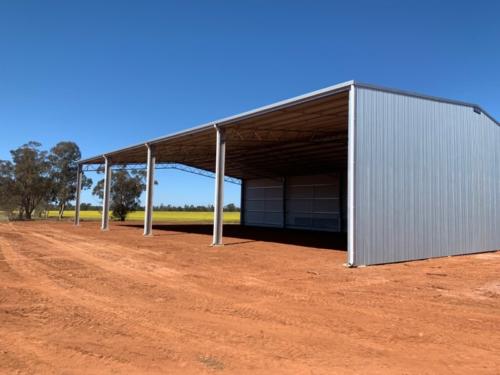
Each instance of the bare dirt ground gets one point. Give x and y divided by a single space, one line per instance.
81 301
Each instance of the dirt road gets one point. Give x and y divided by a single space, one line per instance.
81 301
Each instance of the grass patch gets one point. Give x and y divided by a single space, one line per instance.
211 362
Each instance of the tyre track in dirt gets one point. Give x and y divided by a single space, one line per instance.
219 307
76 317
245 313
79 299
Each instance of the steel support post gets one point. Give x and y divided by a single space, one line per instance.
150 181
219 186
107 192
79 176
242 203
283 202
351 175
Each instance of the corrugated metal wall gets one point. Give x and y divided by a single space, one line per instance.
427 179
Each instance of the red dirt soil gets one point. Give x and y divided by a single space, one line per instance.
81 301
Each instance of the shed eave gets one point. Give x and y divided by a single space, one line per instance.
231 120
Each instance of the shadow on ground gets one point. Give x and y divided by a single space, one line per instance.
323 240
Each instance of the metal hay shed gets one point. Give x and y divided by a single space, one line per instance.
407 176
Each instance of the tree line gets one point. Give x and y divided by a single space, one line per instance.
192 208
36 180
231 207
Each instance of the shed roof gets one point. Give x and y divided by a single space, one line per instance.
299 135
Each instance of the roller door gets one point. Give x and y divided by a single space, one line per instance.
263 202
313 202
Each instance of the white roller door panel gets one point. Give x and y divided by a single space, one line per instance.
313 202
263 202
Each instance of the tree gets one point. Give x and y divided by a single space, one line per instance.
126 190
26 178
8 198
63 159
231 207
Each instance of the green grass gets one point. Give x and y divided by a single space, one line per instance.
168 216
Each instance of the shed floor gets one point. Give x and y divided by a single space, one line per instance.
235 234
81 301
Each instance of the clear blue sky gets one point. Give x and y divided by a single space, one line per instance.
106 74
